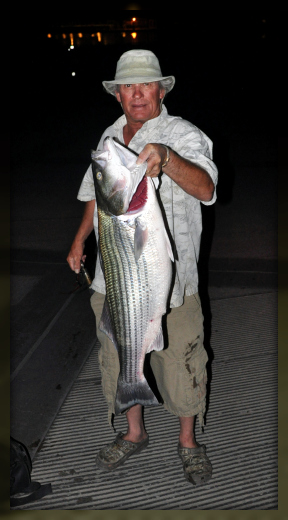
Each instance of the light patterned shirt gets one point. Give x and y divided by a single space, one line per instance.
183 211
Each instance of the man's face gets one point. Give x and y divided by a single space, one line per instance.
140 101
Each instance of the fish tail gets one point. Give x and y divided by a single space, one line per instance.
134 393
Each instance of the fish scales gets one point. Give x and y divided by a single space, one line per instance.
137 309
137 276
114 276
123 288
136 302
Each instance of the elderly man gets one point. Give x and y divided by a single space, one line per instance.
181 155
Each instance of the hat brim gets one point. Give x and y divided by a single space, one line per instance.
110 85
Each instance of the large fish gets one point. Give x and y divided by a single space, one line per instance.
136 260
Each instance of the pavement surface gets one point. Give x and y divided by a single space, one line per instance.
53 343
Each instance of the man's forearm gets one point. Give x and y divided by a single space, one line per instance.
190 177
86 226
76 252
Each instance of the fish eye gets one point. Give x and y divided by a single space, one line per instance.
99 176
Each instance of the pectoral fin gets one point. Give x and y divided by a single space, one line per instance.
105 324
140 238
158 343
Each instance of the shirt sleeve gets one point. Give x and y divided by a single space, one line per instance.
87 191
195 145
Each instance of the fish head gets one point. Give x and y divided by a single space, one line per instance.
117 176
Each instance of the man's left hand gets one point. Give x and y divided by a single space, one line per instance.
155 155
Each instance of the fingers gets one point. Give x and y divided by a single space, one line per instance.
74 257
155 155
143 156
154 171
74 263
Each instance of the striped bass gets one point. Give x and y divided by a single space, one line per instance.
136 259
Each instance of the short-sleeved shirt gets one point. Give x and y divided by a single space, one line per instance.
183 211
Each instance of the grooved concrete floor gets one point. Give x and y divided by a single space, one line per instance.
241 442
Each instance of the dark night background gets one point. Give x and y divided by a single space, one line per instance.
226 64
225 69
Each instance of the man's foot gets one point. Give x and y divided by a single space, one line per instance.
196 465
118 451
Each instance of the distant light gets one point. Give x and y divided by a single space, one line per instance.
64 36
133 19
134 35
73 73
80 35
99 36
49 35
124 35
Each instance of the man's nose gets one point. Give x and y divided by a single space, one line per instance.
137 93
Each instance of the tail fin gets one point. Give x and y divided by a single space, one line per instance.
135 393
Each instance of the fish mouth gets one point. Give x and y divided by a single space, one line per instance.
139 198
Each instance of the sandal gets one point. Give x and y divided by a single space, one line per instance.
118 451
196 465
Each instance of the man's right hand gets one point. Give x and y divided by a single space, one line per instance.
75 256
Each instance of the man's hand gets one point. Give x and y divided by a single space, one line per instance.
75 256
155 155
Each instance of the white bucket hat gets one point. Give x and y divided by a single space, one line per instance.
138 66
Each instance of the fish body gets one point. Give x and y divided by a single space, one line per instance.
136 260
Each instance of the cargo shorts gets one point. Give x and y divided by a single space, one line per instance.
179 369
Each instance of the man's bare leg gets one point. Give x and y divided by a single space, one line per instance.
187 436
136 431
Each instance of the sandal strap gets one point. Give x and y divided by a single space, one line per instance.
123 443
192 451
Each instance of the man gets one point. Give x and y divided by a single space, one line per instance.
181 155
